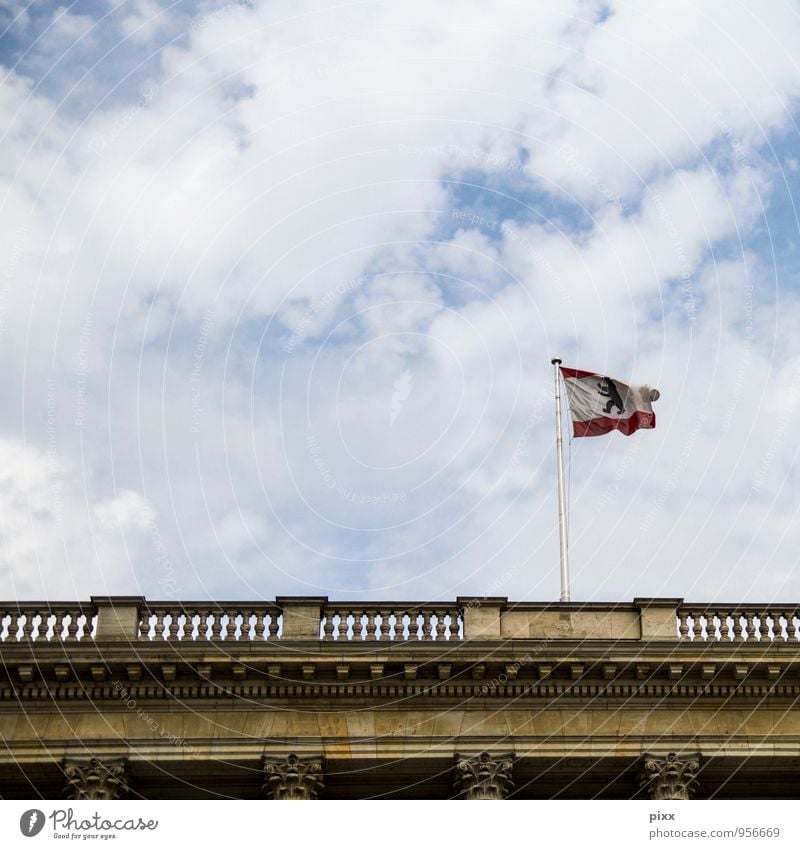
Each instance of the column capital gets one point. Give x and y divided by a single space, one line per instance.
484 776
670 777
293 777
96 779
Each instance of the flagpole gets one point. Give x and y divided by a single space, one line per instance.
562 501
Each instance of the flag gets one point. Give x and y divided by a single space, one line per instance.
599 404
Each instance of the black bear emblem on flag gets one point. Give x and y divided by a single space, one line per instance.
608 389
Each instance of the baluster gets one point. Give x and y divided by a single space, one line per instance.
439 632
230 630
173 625
396 628
202 625
749 627
58 624
327 625
453 624
144 624
245 632
773 626
216 626
72 628
683 624
273 625
51 615
159 630
186 624
259 627
426 624
342 635
370 625
787 616
27 629
16 622
738 635
358 625
413 624
728 632
40 628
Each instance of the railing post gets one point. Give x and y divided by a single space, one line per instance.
658 617
302 616
481 615
117 616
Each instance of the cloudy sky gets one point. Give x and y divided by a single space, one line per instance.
280 283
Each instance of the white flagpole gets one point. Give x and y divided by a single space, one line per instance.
562 501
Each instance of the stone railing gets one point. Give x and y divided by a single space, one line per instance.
68 621
135 619
192 620
400 621
739 623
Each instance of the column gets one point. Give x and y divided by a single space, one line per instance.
95 779
484 776
293 777
670 777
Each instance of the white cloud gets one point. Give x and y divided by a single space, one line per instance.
225 264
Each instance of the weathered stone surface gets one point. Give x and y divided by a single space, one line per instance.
564 689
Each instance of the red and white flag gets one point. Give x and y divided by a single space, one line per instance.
599 404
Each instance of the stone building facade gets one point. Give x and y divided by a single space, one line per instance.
303 698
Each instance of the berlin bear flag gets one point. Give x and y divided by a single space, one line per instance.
599 404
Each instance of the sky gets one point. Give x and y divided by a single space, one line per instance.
280 283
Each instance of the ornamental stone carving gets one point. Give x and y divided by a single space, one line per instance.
96 779
670 777
293 778
484 776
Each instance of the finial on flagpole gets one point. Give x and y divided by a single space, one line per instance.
562 501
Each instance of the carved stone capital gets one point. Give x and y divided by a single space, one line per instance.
293 778
670 777
96 779
484 776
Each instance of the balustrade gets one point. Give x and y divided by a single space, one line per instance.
197 621
742 623
133 618
46 622
390 623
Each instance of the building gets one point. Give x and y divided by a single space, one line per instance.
478 698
